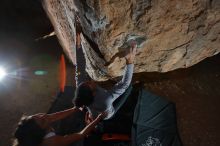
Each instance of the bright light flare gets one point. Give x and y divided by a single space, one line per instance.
2 73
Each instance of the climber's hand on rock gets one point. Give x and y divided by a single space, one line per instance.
130 57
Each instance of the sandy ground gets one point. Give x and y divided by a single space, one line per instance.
196 93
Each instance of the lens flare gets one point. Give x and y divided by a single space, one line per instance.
2 73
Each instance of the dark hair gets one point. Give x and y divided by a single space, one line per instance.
83 95
28 133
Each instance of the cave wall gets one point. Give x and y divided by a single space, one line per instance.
171 34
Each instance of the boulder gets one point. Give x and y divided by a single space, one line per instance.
171 34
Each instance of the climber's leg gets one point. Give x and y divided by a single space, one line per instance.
81 74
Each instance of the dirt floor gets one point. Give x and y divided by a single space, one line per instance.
196 93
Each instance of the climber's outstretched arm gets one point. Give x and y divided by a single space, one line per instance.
68 139
122 85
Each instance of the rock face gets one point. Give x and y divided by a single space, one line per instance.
170 34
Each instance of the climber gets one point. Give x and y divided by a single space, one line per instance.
96 99
36 130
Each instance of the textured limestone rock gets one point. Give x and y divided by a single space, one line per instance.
171 33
